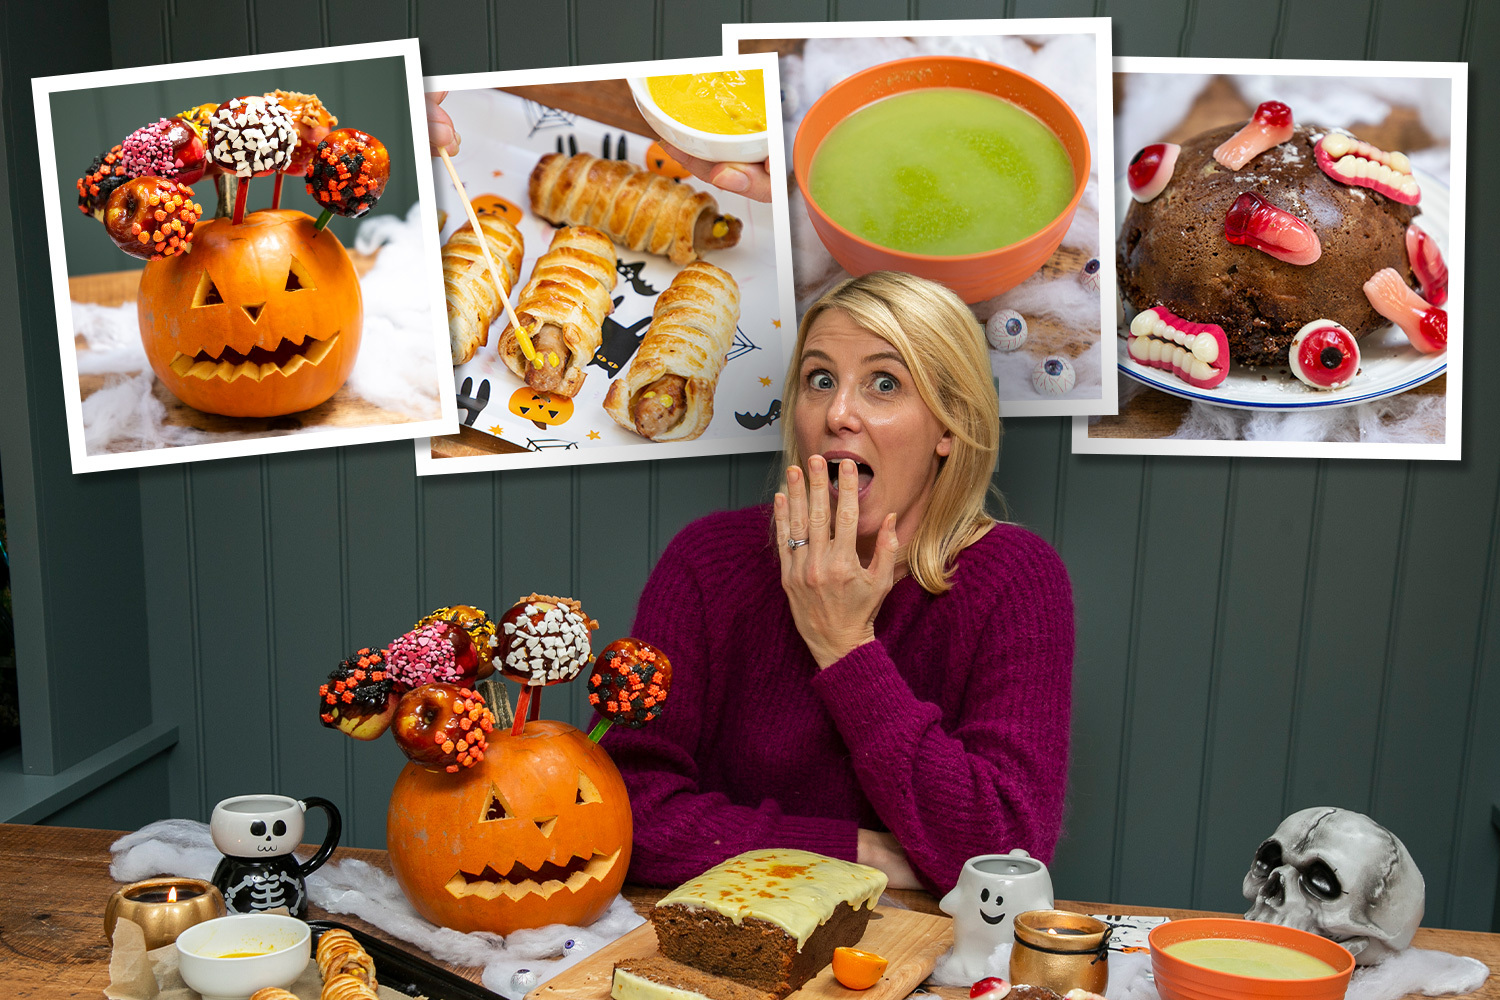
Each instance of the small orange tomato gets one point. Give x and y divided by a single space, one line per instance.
858 970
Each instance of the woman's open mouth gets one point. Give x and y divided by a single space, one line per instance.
866 474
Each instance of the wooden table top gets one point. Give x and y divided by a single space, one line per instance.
54 882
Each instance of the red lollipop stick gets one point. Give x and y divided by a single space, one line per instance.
522 704
276 193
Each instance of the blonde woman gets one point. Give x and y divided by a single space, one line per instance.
874 668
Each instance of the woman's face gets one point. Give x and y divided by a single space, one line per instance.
857 400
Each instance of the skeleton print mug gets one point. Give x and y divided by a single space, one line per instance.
257 834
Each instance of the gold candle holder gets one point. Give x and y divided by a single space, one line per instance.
163 907
1060 950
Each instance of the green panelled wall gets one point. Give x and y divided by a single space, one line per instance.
1255 636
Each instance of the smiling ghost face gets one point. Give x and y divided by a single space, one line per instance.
261 319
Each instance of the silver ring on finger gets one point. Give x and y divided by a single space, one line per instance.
795 543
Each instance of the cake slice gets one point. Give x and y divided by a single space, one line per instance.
768 919
658 978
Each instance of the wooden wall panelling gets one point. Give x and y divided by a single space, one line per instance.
751 478
1149 27
1173 648
526 35
1329 29
306 623
786 10
351 21
137 33
1103 530
607 31
172 623
695 29
935 9
1057 8
234 655
871 10
206 31
457 521
1032 456
1249 28
1260 618
135 798
684 490
457 35
278 25
1431 30
382 567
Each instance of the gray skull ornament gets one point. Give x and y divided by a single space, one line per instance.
1340 874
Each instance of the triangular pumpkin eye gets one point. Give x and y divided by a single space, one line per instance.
298 277
207 293
587 790
254 311
495 808
546 825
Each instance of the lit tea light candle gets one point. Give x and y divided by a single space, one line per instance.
163 907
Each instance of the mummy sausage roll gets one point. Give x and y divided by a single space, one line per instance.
639 210
667 391
340 954
563 308
473 299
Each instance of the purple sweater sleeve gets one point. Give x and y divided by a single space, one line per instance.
995 780
681 831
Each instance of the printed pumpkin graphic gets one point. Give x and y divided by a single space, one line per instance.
493 204
260 319
537 833
659 161
544 409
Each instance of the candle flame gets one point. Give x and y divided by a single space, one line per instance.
172 894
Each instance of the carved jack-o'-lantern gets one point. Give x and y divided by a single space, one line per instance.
261 319
536 833
541 408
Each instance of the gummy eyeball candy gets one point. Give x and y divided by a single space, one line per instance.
989 988
1088 274
1324 355
1053 376
1151 170
1005 330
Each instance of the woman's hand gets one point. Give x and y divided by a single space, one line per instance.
753 180
441 135
834 598
882 851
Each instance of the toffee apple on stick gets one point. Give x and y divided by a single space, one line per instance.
628 685
543 640
348 173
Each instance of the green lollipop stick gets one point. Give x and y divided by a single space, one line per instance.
322 220
597 733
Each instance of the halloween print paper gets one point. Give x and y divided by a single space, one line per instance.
730 367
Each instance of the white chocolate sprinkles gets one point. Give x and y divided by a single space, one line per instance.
251 135
551 648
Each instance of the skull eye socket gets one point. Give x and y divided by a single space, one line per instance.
1267 858
1319 880
279 828
257 829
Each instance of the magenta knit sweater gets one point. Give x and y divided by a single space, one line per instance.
950 730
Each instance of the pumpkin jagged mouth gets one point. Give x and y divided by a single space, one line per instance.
258 364
520 880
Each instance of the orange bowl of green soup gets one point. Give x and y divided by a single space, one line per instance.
1222 958
955 169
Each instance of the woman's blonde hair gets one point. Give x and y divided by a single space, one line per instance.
944 348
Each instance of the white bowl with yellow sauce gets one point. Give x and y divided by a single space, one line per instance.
714 116
231 957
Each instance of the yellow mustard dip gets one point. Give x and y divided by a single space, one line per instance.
731 103
1250 958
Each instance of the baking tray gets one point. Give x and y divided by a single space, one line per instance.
406 973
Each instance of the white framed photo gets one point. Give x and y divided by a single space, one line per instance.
203 315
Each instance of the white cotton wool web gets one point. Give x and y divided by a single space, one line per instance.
185 848
1405 419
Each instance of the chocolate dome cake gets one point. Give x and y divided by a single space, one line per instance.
1173 251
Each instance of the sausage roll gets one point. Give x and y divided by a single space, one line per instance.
347 987
274 993
563 308
638 209
473 299
339 953
666 393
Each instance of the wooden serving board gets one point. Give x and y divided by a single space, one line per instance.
909 940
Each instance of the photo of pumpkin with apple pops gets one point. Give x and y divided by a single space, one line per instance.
502 820
263 359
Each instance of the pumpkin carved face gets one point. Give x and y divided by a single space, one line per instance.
261 319
536 833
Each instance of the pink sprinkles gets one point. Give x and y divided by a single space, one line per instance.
423 656
147 152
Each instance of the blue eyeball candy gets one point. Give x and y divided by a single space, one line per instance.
1053 376
1005 330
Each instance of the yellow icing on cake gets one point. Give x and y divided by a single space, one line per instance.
629 986
795 890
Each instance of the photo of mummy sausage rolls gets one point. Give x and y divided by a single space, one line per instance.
641 211
473 299
563 308
666 393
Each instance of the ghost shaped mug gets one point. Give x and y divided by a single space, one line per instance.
257 834
991 890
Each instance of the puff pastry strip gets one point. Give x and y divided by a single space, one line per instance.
346 987
339 952
569 296
639 210
666 393
473 299
274 993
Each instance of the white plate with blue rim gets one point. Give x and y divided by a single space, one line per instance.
1389 364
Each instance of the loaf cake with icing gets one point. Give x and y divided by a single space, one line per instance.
768 920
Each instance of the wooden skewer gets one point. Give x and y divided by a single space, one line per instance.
484 245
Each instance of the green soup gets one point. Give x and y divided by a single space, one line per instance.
941 171
1250 958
